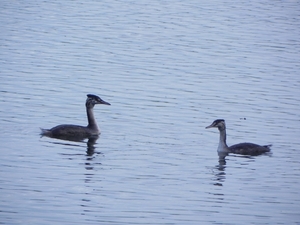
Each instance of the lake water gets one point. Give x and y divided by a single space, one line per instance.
168 68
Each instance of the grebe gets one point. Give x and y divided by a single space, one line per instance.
75 132
242 148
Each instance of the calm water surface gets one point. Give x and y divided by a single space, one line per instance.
168 69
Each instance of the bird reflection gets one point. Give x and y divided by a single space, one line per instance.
222 156
90 163
90 143
91 146
220 174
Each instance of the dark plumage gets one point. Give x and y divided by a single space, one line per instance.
249 149
76 132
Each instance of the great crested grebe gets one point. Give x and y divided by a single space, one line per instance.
242 148
76 132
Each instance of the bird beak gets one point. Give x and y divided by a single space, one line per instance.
103 102
210 126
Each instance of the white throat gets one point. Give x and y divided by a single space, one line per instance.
222 148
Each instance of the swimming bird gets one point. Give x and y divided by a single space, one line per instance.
76 132
242 148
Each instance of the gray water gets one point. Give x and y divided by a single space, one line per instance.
168 68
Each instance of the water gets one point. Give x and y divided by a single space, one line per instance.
168 69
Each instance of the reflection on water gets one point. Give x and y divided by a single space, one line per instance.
91 142
222 156
220 173
91 146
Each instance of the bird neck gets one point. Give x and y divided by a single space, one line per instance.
91 118
222 142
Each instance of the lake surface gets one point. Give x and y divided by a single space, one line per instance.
169 69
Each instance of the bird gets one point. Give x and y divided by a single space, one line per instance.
242 148
76 132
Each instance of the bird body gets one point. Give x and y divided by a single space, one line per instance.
249 149
69 131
